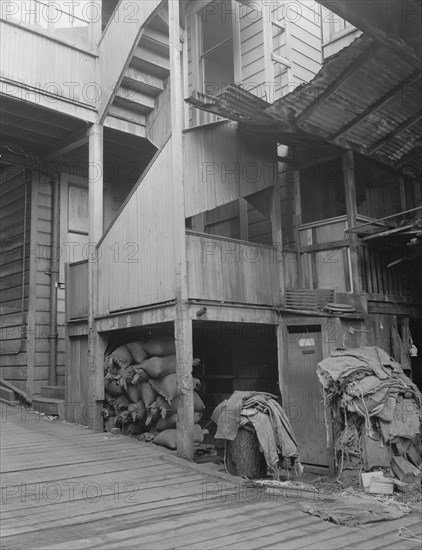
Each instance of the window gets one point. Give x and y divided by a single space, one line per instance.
216 46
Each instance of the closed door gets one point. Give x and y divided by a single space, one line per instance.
304 403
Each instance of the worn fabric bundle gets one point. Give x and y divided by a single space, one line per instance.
377 406
272 427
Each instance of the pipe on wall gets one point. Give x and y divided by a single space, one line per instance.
54 280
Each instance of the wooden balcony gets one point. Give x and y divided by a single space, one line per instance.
229 270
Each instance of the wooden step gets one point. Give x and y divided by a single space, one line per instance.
151 62
48 405
155 41
56 392
130 98
143 82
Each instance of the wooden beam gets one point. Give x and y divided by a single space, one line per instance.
377 105
351 211
95 352
332 88
411 121
69 144
182 324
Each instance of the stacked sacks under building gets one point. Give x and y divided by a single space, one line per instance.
141 394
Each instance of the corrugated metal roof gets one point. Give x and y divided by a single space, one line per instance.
365 98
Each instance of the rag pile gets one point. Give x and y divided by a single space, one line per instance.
272 427
378 408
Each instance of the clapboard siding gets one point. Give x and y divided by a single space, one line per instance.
14 273
136 266
252 50
305 41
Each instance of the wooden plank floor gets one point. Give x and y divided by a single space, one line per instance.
66 488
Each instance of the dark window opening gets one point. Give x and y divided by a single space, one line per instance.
322 191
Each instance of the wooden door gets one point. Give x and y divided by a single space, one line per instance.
304 402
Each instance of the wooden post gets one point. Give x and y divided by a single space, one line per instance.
277 236
182 324
95 373
351 211
282 355
297 221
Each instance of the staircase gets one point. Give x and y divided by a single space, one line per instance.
146 76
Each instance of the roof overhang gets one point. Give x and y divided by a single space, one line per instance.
366 98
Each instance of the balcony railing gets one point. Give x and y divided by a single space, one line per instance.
68 21
229 270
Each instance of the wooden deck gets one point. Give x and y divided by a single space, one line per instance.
64 487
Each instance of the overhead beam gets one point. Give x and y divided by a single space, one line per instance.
377 105
69 144
411 121
329 91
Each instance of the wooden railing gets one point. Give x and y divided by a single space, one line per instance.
77 290
230 270
135 256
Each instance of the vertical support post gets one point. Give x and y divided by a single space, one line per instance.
277 235
282 355
351 211
295 175
95 374
182 324
243 219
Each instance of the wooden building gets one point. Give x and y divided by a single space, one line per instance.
171 169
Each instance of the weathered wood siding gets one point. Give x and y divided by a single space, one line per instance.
135 265
222 165
41 245
14 271
231 270
305 44
252 51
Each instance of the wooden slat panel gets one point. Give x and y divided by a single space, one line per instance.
77 289
232 271
222 165
136 265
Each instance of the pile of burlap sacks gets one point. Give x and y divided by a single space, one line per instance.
376 408
141 393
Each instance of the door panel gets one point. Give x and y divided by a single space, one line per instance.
304 404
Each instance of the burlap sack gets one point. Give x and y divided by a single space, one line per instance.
137 351
159 346
158 367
